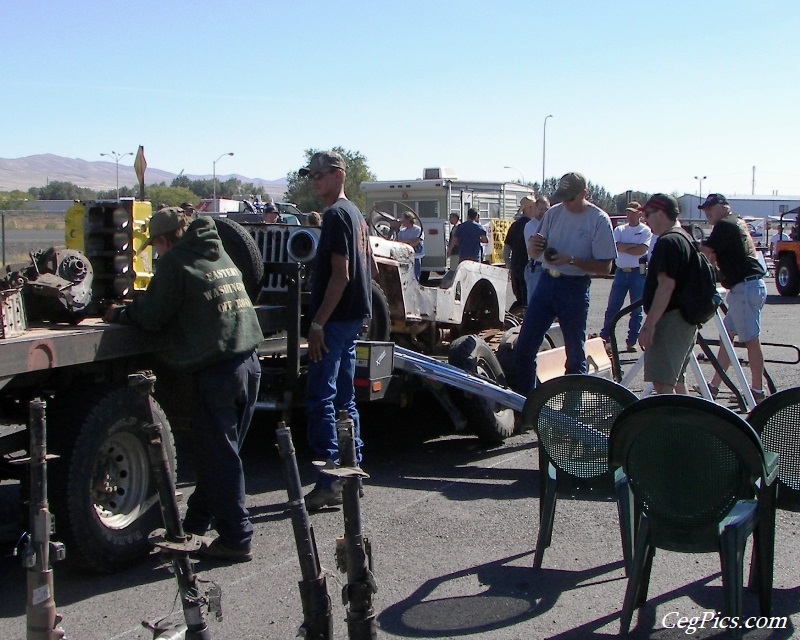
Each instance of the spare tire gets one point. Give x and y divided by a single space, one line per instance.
244 252
380 325
488 420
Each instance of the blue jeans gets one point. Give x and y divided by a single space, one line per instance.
565 298
226 397
532 273
329 389
625 283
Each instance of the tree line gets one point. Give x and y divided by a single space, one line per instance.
183 189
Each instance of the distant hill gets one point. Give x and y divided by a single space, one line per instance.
100 175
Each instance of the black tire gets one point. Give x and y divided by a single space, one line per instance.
244 252
696 231
787 278
106 503
492 423
380 325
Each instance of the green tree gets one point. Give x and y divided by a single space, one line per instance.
14 200
171 196
59 190
299 191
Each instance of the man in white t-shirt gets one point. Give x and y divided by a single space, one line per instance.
632 240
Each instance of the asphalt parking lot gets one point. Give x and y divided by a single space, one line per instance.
453 527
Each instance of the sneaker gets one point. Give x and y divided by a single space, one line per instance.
219 550
714 391
758 395
320 497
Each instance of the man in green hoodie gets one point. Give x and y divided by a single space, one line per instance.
196 297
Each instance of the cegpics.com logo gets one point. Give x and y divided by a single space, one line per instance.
713 620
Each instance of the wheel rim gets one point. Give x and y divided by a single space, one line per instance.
120 480
483 370
783 276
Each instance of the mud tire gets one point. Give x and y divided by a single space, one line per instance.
787 278
106 503
491 422
244 252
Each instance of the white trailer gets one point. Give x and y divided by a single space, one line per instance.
441 193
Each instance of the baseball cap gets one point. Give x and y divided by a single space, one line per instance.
163 221
570 185
712 199
270 207
663 202
324 161
187 205
633 206
526 200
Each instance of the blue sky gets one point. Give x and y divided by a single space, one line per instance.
643 95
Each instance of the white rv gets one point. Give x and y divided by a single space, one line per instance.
438 194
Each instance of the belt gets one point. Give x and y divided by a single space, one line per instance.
751 278
625 269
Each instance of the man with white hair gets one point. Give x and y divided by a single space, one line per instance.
732 250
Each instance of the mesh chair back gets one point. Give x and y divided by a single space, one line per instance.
573 416
777 421
688 462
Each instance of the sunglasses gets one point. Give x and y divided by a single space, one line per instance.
318 175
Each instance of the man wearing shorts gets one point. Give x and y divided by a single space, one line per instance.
667 339
732 250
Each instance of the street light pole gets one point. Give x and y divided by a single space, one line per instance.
521 175
700 180
117 157
544 149
214 179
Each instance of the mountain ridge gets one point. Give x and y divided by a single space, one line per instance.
100 175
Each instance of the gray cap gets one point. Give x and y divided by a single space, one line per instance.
324 161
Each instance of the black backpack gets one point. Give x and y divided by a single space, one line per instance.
698 297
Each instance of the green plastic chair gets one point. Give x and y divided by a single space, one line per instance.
703 483
573 416
777 421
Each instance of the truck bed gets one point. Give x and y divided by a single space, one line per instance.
48 346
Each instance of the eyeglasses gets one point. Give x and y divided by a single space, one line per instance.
318 175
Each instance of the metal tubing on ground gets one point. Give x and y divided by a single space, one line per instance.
317 613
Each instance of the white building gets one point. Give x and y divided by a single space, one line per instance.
755 206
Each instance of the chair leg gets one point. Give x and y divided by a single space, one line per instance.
548 512
641 556
764 548
732 546
626 522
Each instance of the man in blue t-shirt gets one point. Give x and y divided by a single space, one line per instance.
341 302
468 238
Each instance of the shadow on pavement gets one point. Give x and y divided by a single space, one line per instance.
510 595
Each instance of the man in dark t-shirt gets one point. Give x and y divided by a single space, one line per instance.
732 250
667 339
515 250
341 301
467 238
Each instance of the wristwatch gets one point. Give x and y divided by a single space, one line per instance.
315 326
571 260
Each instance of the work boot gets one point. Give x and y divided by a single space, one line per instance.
220 550
320 497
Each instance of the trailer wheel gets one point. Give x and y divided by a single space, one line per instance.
787 280
244 252
491 422
107 503
380 324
